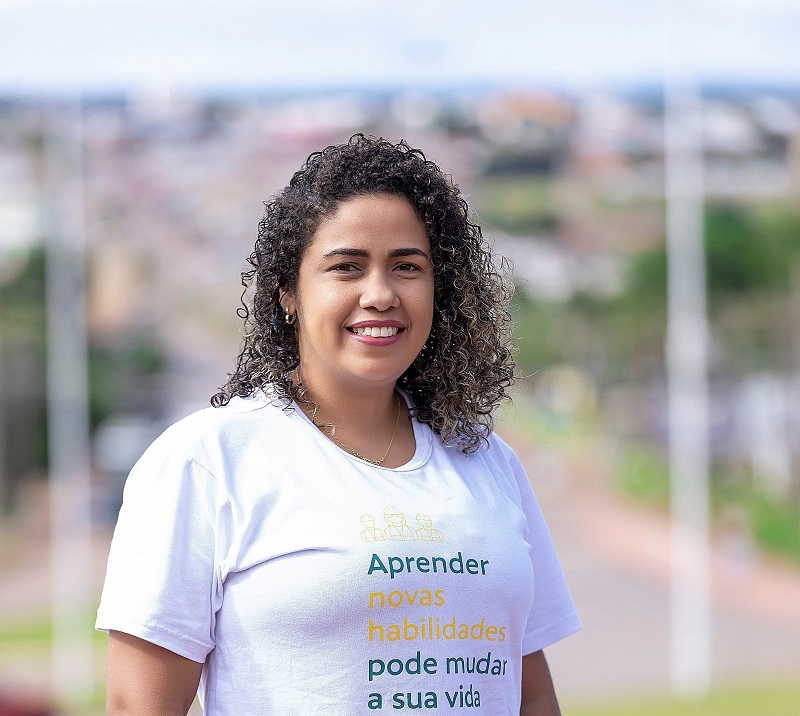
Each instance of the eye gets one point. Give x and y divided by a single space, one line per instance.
344 268
407 267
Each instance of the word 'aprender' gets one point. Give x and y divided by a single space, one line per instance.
455 565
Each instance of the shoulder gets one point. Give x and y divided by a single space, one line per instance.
204 434
493 452
499 459
238 412
204 455
498 452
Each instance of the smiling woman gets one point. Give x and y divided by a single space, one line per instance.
363 298
363 189
247 557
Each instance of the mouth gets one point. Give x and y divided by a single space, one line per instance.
375 331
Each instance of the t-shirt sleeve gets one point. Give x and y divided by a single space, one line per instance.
161 581
553 615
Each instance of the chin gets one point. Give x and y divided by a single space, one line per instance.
378 378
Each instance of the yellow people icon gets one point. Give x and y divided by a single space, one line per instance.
427 532
371 533
397 528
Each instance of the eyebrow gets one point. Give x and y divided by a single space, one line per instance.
393 254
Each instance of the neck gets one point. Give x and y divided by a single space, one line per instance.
357 408
371 423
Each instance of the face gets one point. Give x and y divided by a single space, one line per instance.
364 295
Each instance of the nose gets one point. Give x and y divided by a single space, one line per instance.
378 292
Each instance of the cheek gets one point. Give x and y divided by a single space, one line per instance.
322 308
423 310
429 300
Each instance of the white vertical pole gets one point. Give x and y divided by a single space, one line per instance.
67 403
686 360
5 478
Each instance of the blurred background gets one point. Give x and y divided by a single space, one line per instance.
596 142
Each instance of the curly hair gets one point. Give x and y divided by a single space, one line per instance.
466 366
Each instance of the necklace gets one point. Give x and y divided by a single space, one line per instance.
332 433
357 454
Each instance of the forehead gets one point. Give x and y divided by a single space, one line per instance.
373 222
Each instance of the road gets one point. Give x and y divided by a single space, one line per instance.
616 558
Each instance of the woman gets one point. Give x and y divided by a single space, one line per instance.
342 533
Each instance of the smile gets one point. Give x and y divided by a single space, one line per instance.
375 331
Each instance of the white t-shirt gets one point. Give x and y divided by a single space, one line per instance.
310 582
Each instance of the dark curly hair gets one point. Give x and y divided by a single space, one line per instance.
466 367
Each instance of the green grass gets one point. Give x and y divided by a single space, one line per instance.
751 700
776 526
774 523
38 631
30 640
32 632
642 473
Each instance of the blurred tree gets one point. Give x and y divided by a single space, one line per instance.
518 204
22 399
116 373
538 338
753 267
747 251
753 272
120 375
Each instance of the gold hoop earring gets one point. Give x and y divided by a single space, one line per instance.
288 317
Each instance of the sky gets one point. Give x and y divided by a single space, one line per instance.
109 45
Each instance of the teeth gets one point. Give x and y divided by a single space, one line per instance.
376 331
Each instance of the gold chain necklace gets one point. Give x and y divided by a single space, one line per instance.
332 434
357 454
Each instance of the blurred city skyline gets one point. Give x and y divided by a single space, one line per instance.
56 46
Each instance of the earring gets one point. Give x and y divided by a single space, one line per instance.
288 317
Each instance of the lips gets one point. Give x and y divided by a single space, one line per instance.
376 331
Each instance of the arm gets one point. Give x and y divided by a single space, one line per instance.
538 695
147 680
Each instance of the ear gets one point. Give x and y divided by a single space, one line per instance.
286 299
